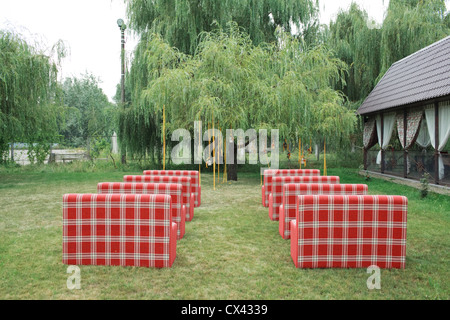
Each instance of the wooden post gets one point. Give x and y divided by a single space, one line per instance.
405 153
436 143
381 144
365 159
89 148
365 153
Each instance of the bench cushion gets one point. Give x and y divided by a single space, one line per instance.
175 191
188 196
270 173
349 231
118 230
287 210
276 196
195 181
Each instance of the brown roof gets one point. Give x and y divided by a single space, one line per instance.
422 76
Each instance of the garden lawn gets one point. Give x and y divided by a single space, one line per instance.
231 250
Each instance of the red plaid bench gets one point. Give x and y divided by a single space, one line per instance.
349 232
266 188
175 191
196 189
291 192
188 197
118 230
276 196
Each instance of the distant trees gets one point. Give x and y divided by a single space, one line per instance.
36 109
88 111
30 98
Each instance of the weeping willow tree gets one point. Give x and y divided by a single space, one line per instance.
239 85
29 95
370 50
356 42
410 26
181 21
140 122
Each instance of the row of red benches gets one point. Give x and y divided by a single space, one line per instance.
132 223
333 225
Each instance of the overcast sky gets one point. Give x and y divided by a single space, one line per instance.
89 28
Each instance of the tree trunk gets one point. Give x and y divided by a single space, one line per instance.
159 153
232 169
12 152
232 172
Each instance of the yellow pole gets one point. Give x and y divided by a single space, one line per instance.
214 153
324 157
164 137
218 158
300 152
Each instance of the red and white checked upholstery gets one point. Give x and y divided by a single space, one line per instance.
266 188
291 192
332 231
196 189
171 189
276 196
188 197
118 230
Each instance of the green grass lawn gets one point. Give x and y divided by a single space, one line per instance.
231 250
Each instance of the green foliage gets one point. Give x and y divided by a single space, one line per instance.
370 50
357 45
410 26
88 111
100 146
424 185
30 109
180 22
282 85
38 152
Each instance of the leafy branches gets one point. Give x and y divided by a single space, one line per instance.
29 92
278 85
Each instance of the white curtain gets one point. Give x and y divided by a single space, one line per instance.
444 129
388 128
423 139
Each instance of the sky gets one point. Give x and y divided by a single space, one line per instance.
89 29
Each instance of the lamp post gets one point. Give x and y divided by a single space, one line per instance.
122 27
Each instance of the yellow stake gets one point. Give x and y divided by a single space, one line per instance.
164 137
214 153
324 157
300 152
218 159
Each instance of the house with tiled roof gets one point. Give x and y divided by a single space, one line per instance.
407 117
